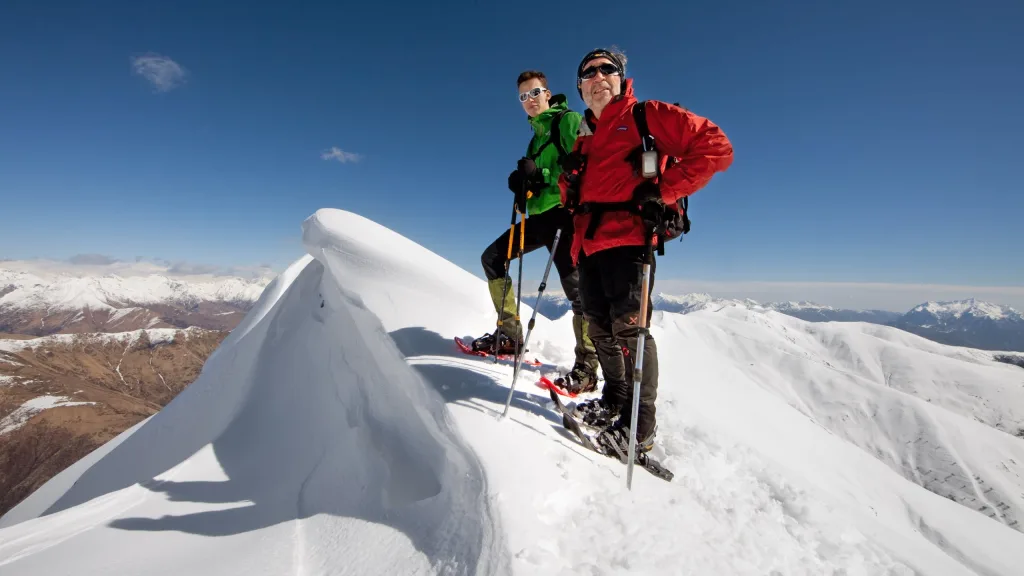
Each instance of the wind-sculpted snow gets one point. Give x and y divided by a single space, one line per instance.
306 445
310 446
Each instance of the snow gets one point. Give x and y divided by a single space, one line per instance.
687 303
946 311
120 313
336 430
940 417
116 294
797 306
21 415
47 494
156 336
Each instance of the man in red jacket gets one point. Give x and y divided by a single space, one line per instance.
614 210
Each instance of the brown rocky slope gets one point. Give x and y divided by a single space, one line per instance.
63 396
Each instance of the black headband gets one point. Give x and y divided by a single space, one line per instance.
594 54
599 53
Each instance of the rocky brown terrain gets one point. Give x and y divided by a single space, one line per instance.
63 396
84 356
44 321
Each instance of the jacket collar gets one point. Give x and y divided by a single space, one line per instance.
541 122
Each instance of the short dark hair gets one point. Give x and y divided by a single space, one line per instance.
530 75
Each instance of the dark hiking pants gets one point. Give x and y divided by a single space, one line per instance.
540 233
610 291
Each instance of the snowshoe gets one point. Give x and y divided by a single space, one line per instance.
596 413
468 349
615 438
614 441
580 380
508 346
547 384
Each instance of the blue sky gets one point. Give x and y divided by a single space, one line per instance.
874 142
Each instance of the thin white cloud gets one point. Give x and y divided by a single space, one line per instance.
92 259
340 155
162 72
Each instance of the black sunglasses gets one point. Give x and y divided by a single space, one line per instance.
607 69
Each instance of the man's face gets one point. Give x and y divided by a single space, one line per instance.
603 84
537 97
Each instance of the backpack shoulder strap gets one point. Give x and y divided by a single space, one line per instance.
556 133
554 136
640 118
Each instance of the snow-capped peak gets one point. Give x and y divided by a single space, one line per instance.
695 301
797 306
21 290
945 311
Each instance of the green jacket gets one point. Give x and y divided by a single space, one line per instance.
550 196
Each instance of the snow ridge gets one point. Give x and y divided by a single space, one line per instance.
304 426
336 429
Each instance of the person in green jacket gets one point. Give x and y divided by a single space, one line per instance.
555 127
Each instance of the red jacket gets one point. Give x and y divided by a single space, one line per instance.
700 146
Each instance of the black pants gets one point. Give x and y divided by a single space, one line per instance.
610 290
540 232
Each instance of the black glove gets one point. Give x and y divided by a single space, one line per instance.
526 176
526 167
647 191
572 162
652 207
518 187
572 198
516 182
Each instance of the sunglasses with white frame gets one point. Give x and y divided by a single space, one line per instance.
533 93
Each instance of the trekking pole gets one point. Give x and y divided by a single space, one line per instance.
508 260
533 319
519 281
504 289
638 366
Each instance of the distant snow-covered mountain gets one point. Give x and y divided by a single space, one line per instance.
553 305
556 305
697 301
66 303
971 323
812 312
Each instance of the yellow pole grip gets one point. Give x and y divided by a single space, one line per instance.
522 235
511 234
